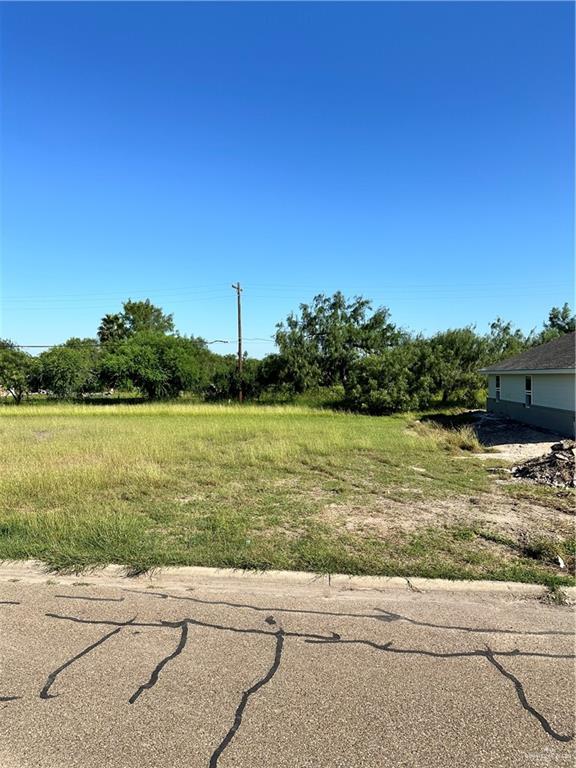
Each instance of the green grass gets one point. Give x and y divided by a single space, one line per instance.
185 484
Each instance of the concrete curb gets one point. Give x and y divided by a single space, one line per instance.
227 578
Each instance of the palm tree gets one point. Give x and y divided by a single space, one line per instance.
112 328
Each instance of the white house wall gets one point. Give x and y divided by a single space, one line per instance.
512 388
550 390
553 400
554 391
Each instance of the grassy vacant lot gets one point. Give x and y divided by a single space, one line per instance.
267 487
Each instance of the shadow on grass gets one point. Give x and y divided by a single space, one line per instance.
112 401
492 430
452 420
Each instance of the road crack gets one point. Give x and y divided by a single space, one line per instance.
161 664
334 639
51 679
245 698
524 701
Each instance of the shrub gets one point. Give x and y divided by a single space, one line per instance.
159 366
395 380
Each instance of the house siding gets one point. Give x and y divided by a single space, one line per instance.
552 419
550 390
554 391
513 388
553 400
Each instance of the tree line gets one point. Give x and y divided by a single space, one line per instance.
356 357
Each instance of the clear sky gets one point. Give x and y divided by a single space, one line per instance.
420 154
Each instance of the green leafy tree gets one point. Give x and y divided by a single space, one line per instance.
280 373
16 368
225 379
70 369
160 366
322 344
144 316
136 316
503 341
456 356
560 321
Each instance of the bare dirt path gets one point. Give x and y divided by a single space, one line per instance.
121 676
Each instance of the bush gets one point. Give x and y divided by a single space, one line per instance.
396 380
225 381
159 366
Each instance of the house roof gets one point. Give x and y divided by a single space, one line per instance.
558 354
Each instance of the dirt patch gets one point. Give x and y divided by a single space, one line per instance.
42 434
510 440
505 439
556 468
498 512
281 532
189 499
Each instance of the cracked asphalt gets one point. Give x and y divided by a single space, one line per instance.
96 675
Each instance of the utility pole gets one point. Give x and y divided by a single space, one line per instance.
238 290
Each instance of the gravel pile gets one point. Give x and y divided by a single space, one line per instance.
557 468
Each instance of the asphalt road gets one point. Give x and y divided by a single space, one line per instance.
124 677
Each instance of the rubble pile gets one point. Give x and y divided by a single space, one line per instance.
557 468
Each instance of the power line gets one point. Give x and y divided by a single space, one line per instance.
207 292
89 343
389 299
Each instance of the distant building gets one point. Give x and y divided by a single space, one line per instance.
537 387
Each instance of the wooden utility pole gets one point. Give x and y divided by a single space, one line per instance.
238 290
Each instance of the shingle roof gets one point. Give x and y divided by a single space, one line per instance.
558 354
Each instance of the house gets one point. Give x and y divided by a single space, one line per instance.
537 387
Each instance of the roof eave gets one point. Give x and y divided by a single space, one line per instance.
526 370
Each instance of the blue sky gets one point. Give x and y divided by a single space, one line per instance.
419 154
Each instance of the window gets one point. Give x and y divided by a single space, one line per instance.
528 392
497 387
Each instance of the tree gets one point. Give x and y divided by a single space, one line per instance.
136 316
503 342
160 366
144 316
225 380
561 320
112 328
71 369
456 356
397 379
15 370
279 373
322 345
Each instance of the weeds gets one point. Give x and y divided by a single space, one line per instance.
554 595
452 439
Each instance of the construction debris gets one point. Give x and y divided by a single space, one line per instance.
557 468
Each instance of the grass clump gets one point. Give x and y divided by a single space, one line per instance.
555 595
452 438
465 439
